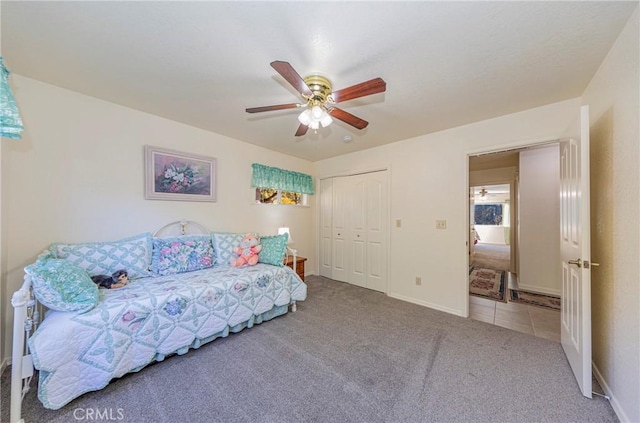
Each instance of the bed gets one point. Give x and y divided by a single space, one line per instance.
144 322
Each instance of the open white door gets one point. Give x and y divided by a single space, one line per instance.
575 252
472 229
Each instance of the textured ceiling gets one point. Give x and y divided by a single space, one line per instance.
202 63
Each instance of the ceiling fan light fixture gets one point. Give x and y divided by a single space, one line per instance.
317 112
314 117
305 117
326 119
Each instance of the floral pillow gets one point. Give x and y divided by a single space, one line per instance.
274 249
181 254
61 285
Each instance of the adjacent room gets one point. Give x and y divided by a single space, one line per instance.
320 211
515 276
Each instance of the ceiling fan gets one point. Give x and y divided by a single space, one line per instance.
319 98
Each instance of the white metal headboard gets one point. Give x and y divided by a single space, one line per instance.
181 227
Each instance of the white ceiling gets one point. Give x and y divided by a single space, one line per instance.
491 189
202 63
493 194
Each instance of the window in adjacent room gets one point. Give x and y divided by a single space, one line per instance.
488 214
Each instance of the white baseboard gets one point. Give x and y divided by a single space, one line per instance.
539 290
426 304
612 398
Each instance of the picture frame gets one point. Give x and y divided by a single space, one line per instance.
177 176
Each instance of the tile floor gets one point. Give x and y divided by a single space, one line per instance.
539 321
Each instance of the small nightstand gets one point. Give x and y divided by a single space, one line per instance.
299 265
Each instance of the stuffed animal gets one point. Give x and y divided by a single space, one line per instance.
118 279
247 251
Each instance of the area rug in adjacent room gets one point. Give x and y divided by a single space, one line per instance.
488 283
531 298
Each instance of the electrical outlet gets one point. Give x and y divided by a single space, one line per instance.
441 224
418 280
398 223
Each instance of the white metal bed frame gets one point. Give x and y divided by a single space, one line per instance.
26 318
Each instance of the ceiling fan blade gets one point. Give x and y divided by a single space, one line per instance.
289 73
302 129
373 86
270 108
347 117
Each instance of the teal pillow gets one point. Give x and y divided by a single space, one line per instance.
224 244
273 249
103 258
61 285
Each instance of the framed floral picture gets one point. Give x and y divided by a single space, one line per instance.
172 175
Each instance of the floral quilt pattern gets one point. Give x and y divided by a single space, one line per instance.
151 318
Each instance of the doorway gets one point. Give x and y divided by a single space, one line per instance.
500 214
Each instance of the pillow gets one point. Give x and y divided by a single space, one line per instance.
223 245
61 285
273 249
103 258
181 254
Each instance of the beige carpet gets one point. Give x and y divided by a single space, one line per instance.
492 256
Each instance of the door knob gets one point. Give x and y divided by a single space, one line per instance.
577 262
592 264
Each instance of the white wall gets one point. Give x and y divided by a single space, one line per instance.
428 181
4 154
77 175
493 234
614 104
539 222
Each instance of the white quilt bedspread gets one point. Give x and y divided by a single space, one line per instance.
151 318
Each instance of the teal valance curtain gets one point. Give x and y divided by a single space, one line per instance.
10 121
284 180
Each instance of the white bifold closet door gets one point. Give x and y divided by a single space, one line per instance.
353 229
